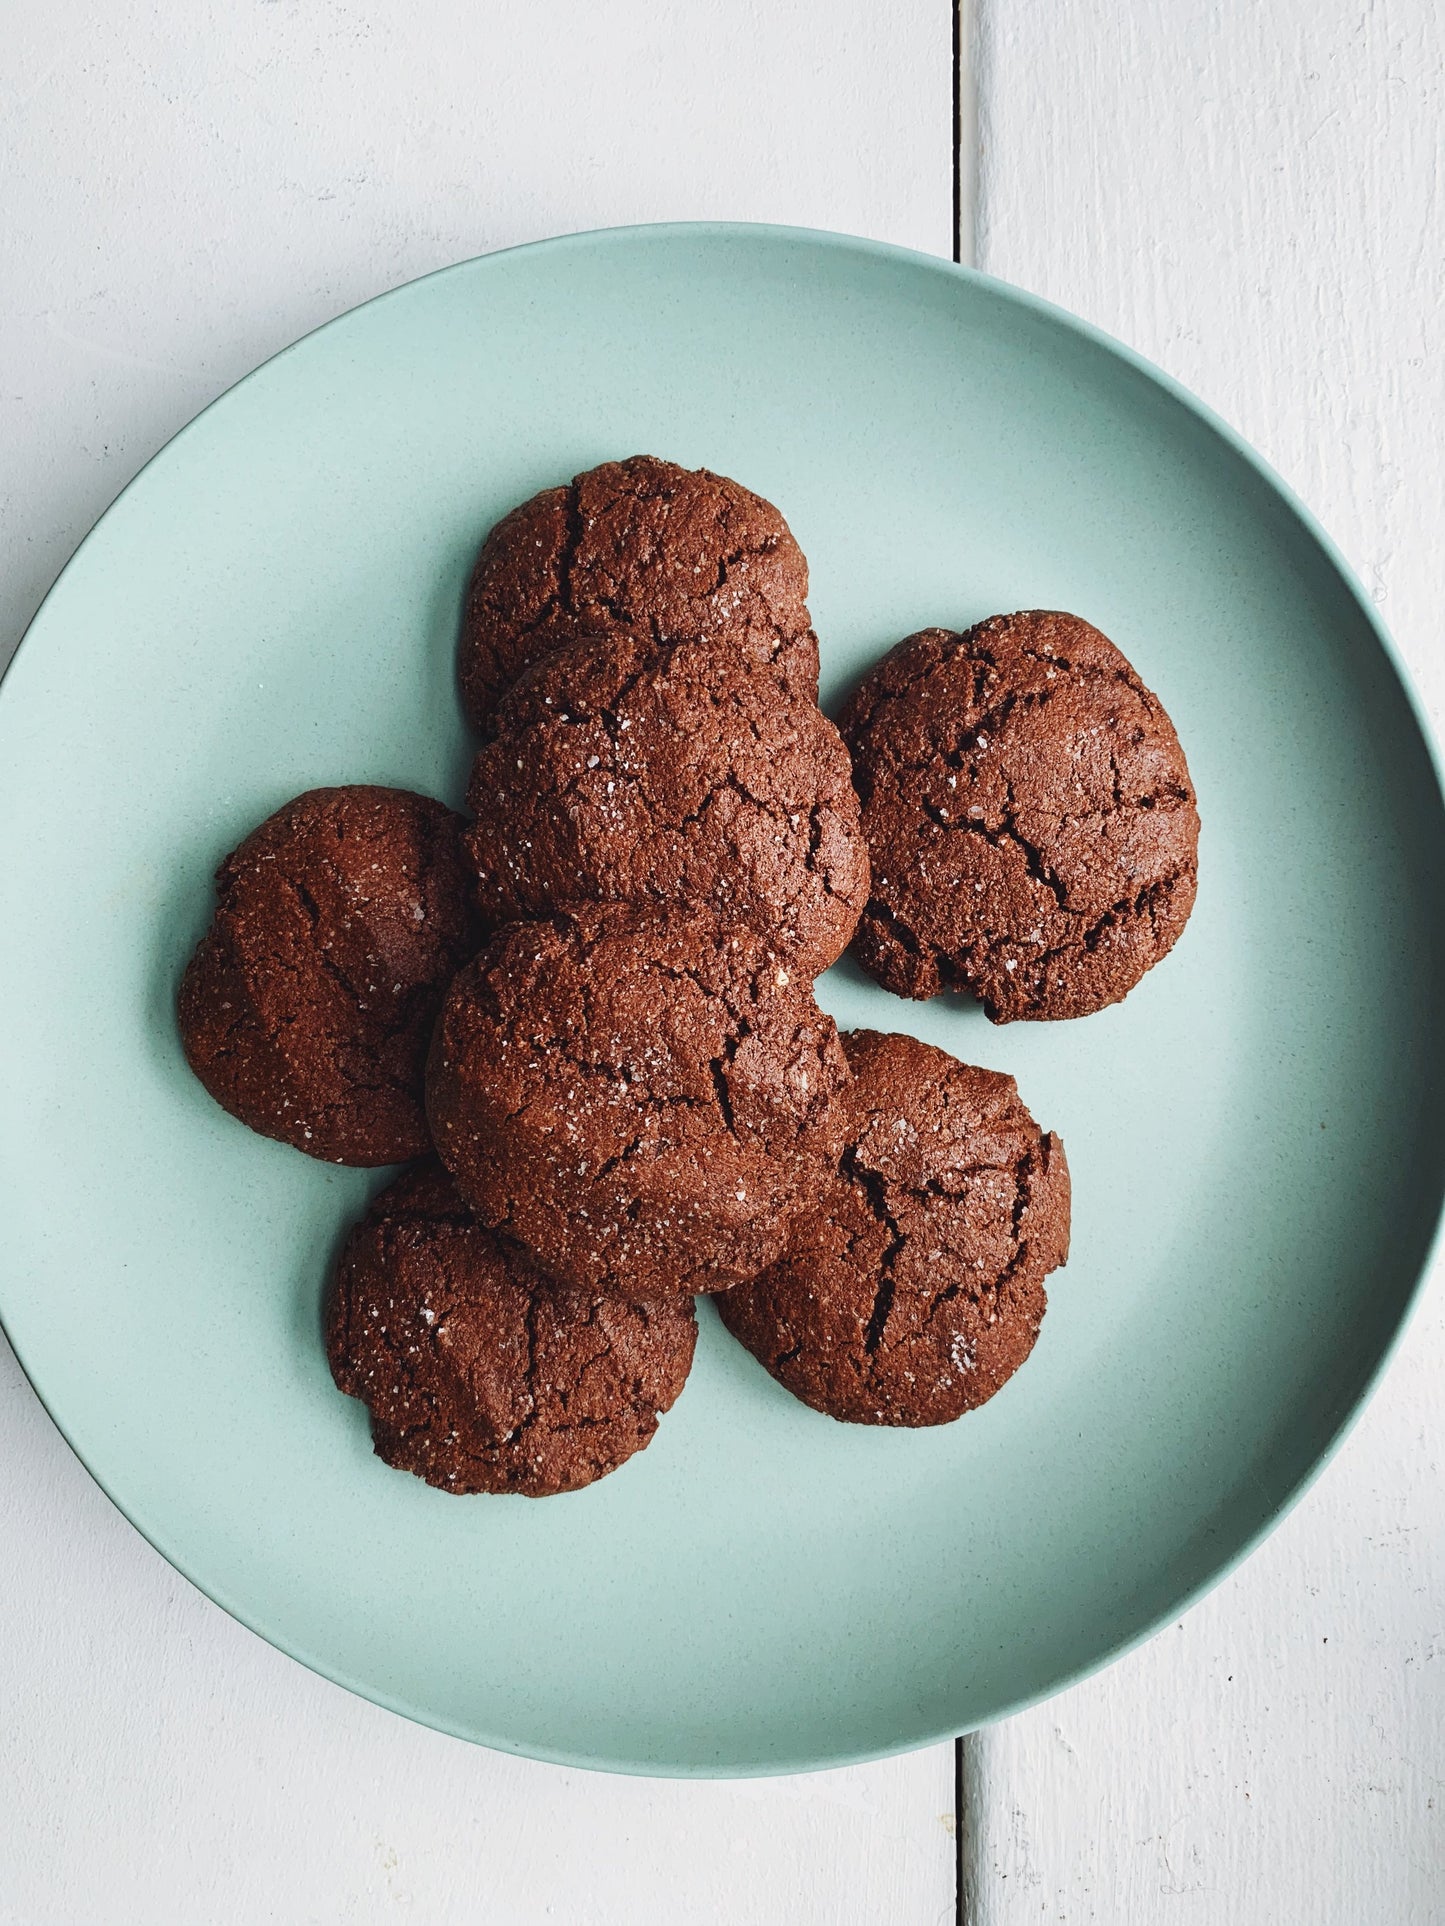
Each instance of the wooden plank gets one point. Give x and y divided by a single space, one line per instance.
188 187
1252 196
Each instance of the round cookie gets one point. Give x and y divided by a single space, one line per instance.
912 1287
639 1098
1029 816
679 554
307 1008
622 771
481 1375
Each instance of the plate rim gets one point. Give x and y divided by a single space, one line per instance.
1341 1426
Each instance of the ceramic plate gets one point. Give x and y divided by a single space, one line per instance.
1255 1135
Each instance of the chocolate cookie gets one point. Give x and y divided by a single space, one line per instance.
1029 816
622 771
640 1098
479 1374
912 1287
679 554
307 1008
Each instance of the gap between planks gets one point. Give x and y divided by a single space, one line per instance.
964 142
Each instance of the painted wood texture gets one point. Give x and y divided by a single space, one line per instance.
1251 195
187 188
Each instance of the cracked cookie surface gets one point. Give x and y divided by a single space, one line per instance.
912 1287
622 771
677 554
307 1007
480 1375
640 1098
1029 816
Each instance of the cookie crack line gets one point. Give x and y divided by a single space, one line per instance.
1127 910
880 912
724 1095
745 552
1008 831
574 528
1023 1168
641 493
529 1376
888 692
874 1187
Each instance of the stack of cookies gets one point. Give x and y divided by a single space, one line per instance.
583 1013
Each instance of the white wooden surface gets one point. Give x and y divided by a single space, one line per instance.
1248 192
1252 195
187 186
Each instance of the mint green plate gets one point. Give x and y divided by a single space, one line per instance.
1255 1136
